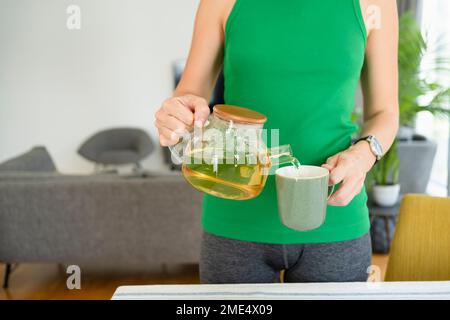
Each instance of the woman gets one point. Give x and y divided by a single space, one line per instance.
299 63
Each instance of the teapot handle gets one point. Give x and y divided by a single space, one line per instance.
176 156
177 151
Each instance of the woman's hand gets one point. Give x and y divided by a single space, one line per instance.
179 114
349 167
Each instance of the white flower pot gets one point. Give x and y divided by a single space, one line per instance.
386 196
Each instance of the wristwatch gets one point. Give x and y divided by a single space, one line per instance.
374 144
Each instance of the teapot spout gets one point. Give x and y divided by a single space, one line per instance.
282 155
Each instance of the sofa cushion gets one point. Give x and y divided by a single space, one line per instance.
36 160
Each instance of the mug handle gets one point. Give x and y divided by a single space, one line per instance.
330 192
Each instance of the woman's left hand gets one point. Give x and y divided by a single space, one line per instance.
349 167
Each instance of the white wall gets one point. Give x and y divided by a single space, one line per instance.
57 86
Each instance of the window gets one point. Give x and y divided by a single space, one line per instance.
435 15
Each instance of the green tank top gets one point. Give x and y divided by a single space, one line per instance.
298 62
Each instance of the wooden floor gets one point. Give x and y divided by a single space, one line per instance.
48 281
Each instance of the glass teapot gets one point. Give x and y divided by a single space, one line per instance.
228 158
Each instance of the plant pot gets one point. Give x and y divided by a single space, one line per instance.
416 162
405 133
386 195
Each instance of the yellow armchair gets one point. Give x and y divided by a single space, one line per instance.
420 249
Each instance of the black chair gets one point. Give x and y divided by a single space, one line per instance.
118 146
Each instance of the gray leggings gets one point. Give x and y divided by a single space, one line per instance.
225 260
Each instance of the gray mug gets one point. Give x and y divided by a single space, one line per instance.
302 196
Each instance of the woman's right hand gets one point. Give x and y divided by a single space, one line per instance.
178 115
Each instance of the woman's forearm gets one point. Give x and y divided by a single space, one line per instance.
384 126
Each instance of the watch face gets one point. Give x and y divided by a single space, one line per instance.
376 147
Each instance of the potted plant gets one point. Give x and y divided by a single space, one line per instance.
409 161
386 188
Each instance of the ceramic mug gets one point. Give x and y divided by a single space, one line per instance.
302 196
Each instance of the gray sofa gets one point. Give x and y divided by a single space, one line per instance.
103 220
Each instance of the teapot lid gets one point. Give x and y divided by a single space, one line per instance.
238 114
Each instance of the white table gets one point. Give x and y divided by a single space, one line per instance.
439 290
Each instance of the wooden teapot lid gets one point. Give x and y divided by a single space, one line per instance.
238 114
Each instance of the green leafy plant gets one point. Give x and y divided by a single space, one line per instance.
386 171
416 59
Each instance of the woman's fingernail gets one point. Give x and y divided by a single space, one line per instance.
198 123
173 136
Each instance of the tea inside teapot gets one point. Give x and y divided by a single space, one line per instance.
237 181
